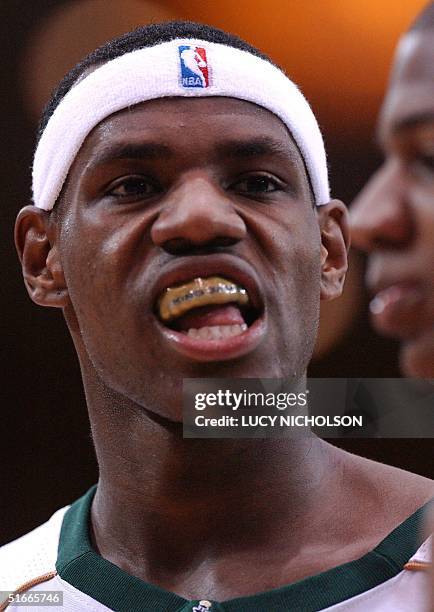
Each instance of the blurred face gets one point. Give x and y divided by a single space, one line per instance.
393 217
190 247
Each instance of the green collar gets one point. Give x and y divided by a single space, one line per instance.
83 568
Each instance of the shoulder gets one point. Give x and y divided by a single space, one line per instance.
400 489
384 486
31 555
378 497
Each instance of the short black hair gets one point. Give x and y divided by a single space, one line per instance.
425 20
144 36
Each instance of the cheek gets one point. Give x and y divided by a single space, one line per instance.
425 237
101 252
297 264
100 264
417 357
421 207
294 292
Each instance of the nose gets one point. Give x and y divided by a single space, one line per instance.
380 217
197 214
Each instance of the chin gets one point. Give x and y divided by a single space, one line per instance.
417 358
173 422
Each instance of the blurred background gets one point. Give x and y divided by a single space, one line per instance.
338 52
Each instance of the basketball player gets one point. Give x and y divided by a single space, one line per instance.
184 225
393 217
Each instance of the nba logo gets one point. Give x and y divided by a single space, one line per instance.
194 66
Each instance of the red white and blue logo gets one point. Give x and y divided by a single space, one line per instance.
194 66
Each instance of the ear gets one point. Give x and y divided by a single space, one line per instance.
335 243
39 257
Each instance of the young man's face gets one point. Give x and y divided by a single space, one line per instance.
393 217
171 191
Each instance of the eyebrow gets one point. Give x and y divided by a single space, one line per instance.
235 149
130 150
407 123
415 121
256 147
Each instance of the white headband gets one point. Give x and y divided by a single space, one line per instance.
186 68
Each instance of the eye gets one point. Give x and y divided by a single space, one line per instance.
422 167
426 162
257 184
132 186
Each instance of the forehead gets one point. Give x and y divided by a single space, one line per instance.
193 122
410 97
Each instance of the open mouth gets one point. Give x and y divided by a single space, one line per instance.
210 308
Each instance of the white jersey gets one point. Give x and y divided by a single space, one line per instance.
55 564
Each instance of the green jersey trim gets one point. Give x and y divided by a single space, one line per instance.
79 564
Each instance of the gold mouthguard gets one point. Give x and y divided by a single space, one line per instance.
176 301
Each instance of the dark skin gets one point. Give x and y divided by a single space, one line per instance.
196 516
393 216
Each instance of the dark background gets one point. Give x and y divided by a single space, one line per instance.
46 456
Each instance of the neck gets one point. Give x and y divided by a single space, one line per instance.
159 492
166 505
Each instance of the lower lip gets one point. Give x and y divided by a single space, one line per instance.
396 310
224 349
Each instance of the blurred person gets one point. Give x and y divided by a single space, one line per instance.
392 219
183 223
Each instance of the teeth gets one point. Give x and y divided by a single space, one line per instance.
175 301
217 332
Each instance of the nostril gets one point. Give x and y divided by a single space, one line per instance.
176 246
391 242
183 246
388 226
223 241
